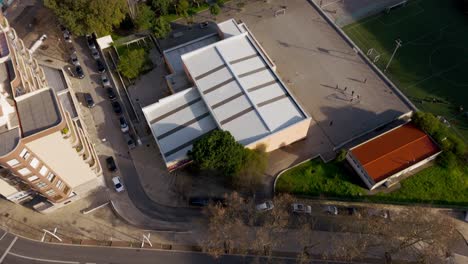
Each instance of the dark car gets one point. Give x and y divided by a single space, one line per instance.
90 41
116 107
100 66
79 72
205 201
110 93
123 125
89 100
111 164
130 141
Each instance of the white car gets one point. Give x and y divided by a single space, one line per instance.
118 184
331 209
299 208
95 53
266 206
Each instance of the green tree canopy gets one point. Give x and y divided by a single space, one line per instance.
215 9
145 17
162 6
183 7
218 151
131 63
87 16
161 28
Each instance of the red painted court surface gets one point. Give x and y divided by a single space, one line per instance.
394 151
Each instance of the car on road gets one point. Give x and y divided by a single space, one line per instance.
266 206
118 184
110 162
105 81
123 124
331 209
90 42
89 100
299 208
74 59
130 141
205 201
100 66
79 72
110 93
116 107
95 54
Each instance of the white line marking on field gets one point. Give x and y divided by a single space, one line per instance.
45 260
4 234
8 249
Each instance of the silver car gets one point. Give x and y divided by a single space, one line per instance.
266 206
299 208
105 81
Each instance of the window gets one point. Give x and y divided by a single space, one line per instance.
33 178
50 192
43 171
51 177
34 163
12 162
41 184
59 184
25 154
24 171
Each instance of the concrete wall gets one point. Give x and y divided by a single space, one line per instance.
284 137
360 170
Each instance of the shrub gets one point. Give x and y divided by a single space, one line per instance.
215 9
131 63
341 155
447 160
427 122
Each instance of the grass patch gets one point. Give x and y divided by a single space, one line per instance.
317 178
430 66
433 185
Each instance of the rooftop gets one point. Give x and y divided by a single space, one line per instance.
55 78
37 111
394 151
236 89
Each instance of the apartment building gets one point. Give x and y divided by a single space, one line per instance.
46 157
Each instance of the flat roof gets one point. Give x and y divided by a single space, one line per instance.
243 93
37 111
67 103
173 55
177 121
55 78
9 140
394 151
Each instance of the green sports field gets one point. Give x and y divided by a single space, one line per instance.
431 67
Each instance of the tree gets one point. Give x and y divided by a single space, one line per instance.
427 122
131 63
162 6
145 17
218 151
215 9
161 28
220 2
87 16
250 176
183 7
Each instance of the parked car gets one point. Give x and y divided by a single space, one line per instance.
100 66
89 100
90 41
74 59
116 107
118 184
130 141
205 201
95 54
79 72
299 208
353 211
331 209
123 124
379 213
110 93
111 164
266 206
67 35
105 81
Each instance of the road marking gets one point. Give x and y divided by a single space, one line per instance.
45 260
4 234
8 249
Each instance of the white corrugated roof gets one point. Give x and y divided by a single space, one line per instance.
236 89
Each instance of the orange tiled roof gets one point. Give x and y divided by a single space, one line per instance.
394 151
